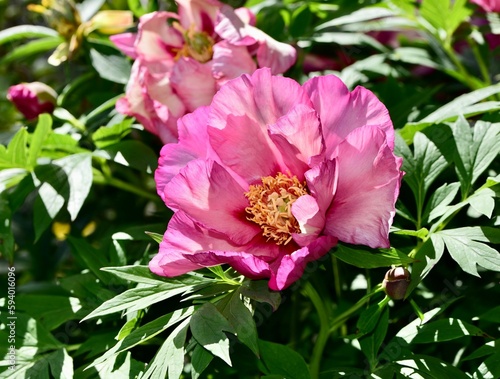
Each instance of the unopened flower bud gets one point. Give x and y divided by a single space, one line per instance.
396 282
32 99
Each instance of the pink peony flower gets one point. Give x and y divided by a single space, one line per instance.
32 99
272 174
488 5
181 60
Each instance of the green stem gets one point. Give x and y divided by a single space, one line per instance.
417 310
466 78
126 187
480 62
324 332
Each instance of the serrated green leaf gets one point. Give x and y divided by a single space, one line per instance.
200 360
281 360
115 68
477 147
469 253
78 169
61 364
240 317
208 326
42 131
444 16
462 105
371 259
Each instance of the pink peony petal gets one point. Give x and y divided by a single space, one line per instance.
341 111
311 220
298 137
193 83
209 195
276 55
199 13
231 61
291 267
231 28
368 185
322 183
192 145
155 38
126 43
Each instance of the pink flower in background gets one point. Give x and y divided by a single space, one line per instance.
488 5
32 99
181 60
272 174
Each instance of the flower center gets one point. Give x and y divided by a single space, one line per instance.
271 206
197 45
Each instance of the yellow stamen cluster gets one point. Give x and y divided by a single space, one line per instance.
271 206
198 45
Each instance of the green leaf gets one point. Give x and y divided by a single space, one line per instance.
50 310
11 177
78 169
42 131
200 360
91 258
367 259
31 48
6 236
132 153
142 297
370 343
410 331
46 206
301 19
490 368
281 360
425 259
240 317
170 356
109 135
145 333
429 366
140 8
468 252
208 326
491 347
369 318
115 68
158 238
17 151
445 330
26 31
137 274
127 328
61 364
465 105
363 14
439 201
477 147
423 166
444 16
258 290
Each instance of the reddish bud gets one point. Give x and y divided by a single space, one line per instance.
396 282
32 99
